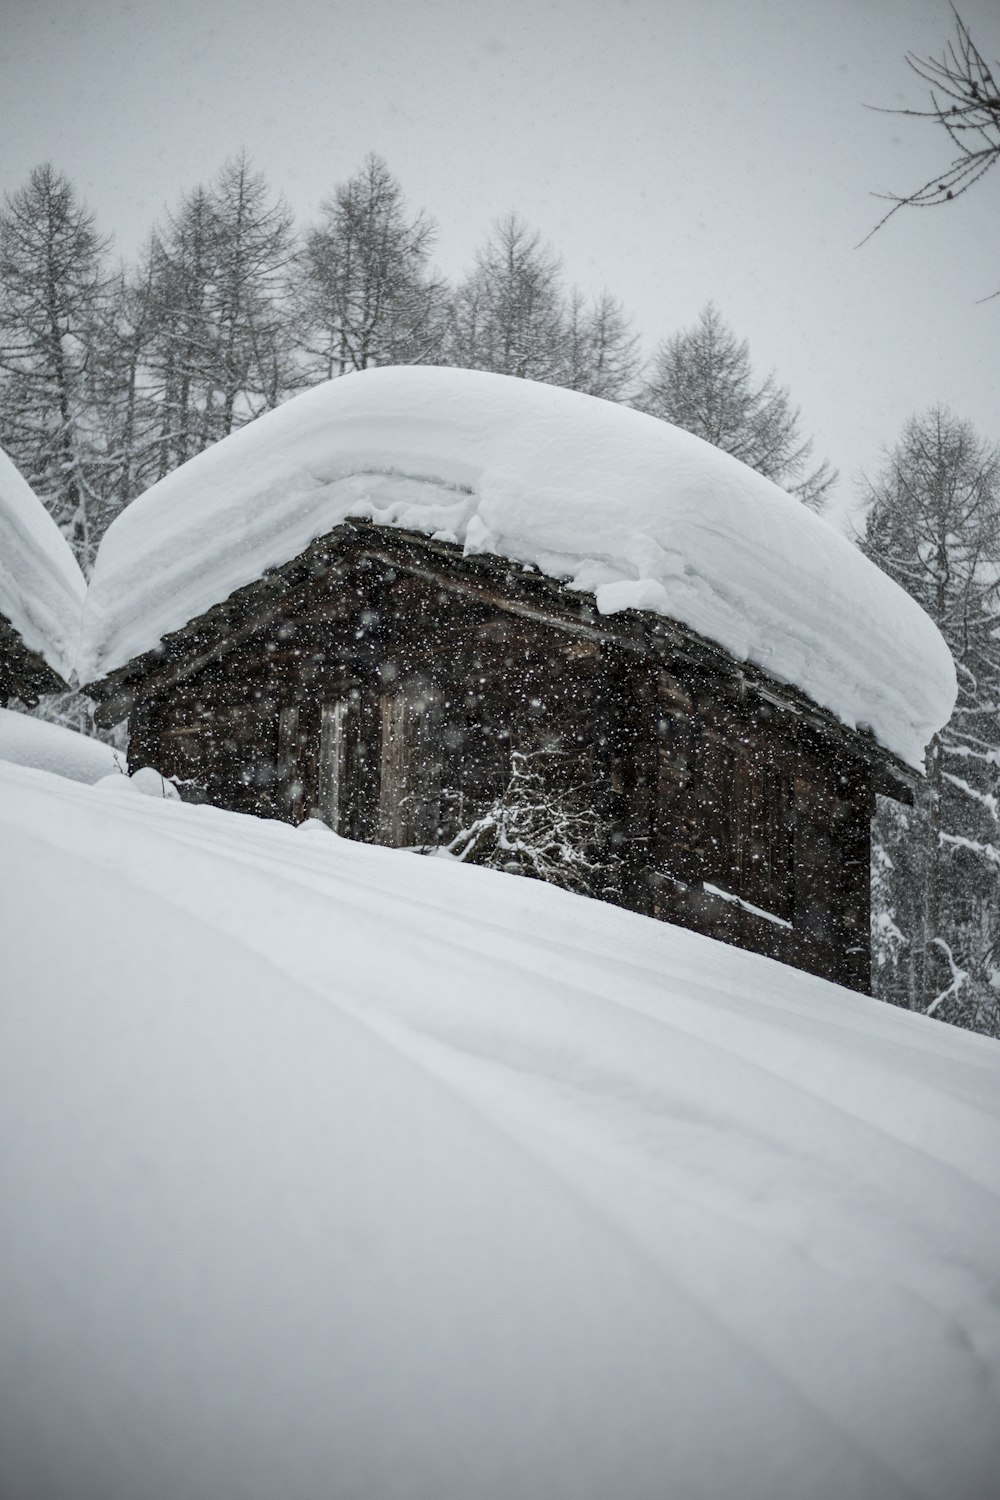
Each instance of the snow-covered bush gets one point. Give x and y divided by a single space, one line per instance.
543 825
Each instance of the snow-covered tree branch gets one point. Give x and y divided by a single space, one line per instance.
542 826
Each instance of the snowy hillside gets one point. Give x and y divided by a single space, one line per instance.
637 512
332 1170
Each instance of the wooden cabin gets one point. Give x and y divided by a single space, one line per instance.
371 605
381 681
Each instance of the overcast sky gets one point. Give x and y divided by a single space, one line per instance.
671 152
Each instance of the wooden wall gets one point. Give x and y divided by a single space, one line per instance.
386 696
23 673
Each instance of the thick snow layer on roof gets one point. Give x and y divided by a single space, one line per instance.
331 1170
41 585
642 514
26 741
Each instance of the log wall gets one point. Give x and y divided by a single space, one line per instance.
386 693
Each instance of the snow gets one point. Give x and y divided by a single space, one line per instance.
755 911
41 585
144 782
619 504
330 1170
26 741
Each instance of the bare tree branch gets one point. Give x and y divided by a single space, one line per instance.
965 102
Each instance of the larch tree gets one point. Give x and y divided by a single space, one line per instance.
53 291
508 315
126 332
208 322
601 349
178 380
254 245
934 526
702 380
364 289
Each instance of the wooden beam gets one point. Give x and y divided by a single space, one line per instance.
496 598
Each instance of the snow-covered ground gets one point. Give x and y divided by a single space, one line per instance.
27 741
41 585
621 505
329 1170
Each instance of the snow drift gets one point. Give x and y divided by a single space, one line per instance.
26 741
41 585
619 504
330 1170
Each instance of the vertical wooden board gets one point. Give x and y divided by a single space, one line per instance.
714 810
817 881
832 843
634 775
853 831
760 824
676 826
294 779
409 768
359 812
391 764
332 783
725 815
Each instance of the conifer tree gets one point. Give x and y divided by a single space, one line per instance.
53 290
178 379
124 337
365 292
508 314
702 380
209 309
601 350
934 526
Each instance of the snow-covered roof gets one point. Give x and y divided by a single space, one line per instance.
348 1172
620 504
41 585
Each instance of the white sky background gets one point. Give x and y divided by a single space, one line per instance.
670 151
